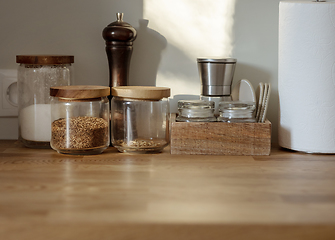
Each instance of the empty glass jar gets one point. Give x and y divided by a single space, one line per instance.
36 74
195 111
80 119
237 112
140 118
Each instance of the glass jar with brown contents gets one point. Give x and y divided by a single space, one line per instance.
79 119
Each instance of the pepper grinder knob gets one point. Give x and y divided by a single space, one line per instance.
119 37
119 17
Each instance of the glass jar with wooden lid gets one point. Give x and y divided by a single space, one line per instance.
140 118
79 119
36 74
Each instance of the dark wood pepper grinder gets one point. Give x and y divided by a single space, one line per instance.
119 37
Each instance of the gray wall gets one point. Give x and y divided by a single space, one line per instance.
74 27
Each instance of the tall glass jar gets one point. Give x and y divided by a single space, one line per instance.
36 74
140 118
79 119
237 112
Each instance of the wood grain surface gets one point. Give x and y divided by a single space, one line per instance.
45 59
46 195
220 138
141 92
79 91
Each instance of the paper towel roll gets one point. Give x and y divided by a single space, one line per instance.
306 76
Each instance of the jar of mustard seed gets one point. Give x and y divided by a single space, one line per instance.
79 119
140 118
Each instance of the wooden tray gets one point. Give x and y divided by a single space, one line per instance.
219 138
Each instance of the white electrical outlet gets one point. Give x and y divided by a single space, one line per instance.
8 93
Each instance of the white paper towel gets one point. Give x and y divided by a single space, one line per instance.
306 76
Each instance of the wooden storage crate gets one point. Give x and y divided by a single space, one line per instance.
219 138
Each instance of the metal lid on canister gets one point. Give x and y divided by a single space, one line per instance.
216 60
141 92
195 104
45 59
196 111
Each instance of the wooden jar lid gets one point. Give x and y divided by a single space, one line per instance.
44 59
79 91
141 92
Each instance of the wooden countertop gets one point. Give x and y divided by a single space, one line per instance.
46 195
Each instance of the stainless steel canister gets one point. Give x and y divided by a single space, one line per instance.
216 75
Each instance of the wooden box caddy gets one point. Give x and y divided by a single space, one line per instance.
219 138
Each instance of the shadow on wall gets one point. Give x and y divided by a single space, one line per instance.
284 133
253 74
146 56
256 45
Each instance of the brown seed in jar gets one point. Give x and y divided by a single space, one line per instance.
79 133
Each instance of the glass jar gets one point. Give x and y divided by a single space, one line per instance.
36 74
79 119
196 111
140 118
237 112
216 100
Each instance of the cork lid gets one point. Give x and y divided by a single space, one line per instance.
45 59
141 92
79 91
